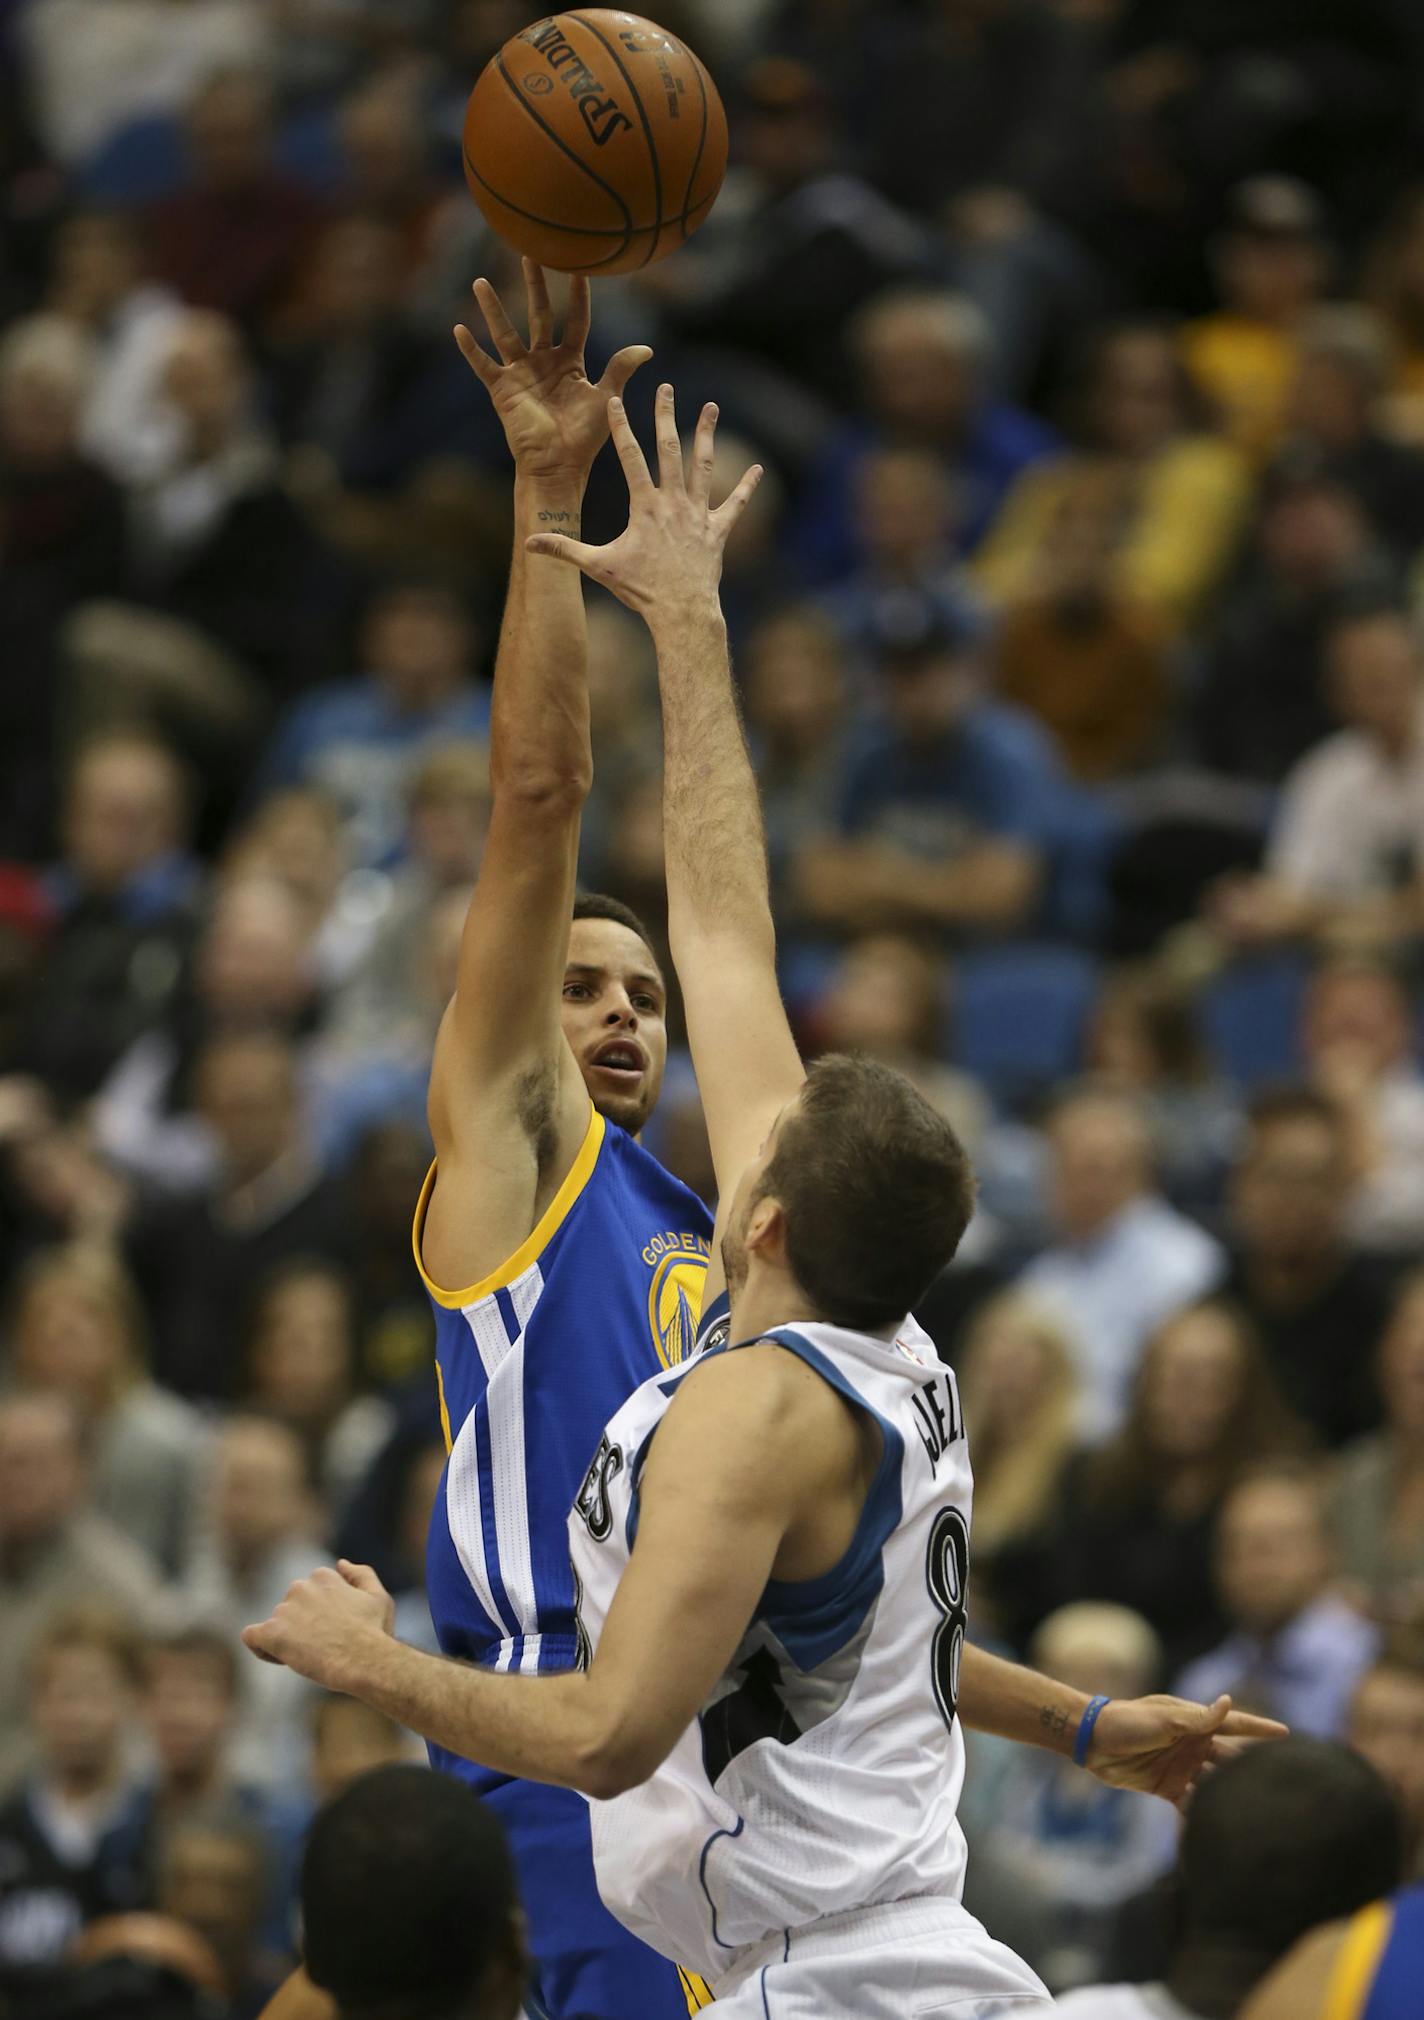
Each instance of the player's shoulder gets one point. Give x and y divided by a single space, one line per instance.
1115 2002
1297 1988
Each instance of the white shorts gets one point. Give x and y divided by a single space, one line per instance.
926 1959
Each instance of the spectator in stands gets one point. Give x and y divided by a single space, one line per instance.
809 245
1262 705
905 520
55 1551
363 739
232 239
1296 1651
78 1331
1337 405
1020 1393
352 1739
191 1703
139 1967
298 839
214 1875
301 1371
1283 1838
98 279
1271 267
253 971
1123 1259
1077 653
1314 1300
1386 1725
197 1258
61 542
125 890
924 361
1054 1856
265 1532
386 1004
1137 1518
1378 1505
1144 1037
1359 1042
796 689
408 1898
215 542
94 75
887 998
71 1835
1394 287
1170 498
1348 844
948 805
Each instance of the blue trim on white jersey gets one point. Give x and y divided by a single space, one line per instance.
702 1876
669 1385
814 1618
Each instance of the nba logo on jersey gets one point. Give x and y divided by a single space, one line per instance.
679 1266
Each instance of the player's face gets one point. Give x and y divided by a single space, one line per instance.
615 1019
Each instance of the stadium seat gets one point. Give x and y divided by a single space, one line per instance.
1251 1019
1017 1017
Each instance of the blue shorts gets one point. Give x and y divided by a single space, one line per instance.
586 1965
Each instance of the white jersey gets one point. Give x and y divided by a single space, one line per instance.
823 1773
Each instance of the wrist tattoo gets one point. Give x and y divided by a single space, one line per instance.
562 521
1054 1720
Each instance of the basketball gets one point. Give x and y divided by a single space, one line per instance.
595 142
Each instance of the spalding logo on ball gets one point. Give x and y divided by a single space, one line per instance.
595 142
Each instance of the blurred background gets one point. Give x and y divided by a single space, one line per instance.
1077 626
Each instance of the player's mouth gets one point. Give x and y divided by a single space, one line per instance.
622 1061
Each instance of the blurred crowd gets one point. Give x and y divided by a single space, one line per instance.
1078 631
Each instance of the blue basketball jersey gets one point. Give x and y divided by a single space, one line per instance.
1380 1971
532 1363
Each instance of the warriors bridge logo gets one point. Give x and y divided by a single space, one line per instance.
679 1264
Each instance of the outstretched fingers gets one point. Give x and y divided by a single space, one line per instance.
541 312
704 442
558 547
630 455
731 511
579 313
476 356
670 475
505 337
621 367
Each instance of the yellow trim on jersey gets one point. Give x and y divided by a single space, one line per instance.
696 1991
1352 1980
529 1251
444 1412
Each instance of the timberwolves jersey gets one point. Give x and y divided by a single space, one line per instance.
1379 1974
531 1364
823 1773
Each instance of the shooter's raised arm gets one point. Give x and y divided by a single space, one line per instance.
508 1107
667 567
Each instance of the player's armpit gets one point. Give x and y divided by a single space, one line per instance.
738 1460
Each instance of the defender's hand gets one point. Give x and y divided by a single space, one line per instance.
322 1624
1161 1746
669 558
555 420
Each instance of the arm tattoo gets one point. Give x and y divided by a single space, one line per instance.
1054 1720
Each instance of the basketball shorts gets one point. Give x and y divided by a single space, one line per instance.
926 1959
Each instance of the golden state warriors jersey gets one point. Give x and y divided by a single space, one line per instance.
532 1363
1379 1974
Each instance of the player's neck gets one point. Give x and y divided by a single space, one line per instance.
767 1300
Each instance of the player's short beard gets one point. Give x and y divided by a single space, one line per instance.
734 1252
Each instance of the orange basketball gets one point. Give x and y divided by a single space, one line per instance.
595 142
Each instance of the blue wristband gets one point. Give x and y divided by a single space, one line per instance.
1085 1731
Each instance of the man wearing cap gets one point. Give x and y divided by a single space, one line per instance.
1271 264
946 808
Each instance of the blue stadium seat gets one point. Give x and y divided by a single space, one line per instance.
1251 1019
1017 1017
